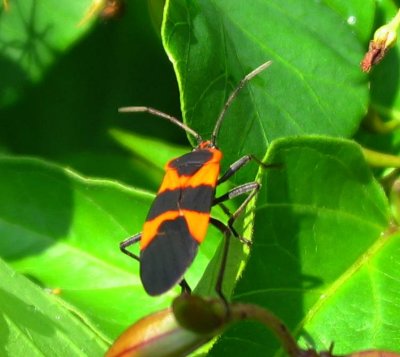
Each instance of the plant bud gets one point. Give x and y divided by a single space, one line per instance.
157 334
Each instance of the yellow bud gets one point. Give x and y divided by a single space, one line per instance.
384 38
386 35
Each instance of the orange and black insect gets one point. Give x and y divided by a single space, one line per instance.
180 214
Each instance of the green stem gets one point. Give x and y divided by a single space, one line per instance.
378 159
374 122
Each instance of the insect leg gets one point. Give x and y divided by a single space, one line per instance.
127 243
237 165
226 230
185 287
252 188
227 233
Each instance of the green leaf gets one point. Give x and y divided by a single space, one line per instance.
319 221
313 86
358 13
33 323
363 305
63 231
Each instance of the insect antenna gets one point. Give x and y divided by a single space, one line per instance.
170 118
233 95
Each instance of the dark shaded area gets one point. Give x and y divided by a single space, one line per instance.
30 51
67 116
30 194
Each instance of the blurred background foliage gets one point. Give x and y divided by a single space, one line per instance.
61 85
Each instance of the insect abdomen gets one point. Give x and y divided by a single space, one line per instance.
178 219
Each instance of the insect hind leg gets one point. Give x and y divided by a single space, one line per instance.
127 243
185 287
226 231
252 188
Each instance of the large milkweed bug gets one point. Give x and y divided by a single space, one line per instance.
179 216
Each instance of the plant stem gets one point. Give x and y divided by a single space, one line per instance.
249 311
378 159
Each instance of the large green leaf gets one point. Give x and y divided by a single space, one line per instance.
313 86
319 260
362 309
32 323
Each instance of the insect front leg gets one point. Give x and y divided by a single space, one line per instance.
237 165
